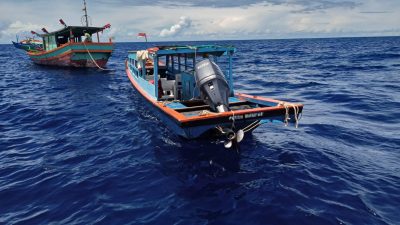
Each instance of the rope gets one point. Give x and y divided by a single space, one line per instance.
251 126
220 129
287 116
94 61
233 119
257 123
164 103
206 112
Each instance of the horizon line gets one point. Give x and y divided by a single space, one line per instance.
254 39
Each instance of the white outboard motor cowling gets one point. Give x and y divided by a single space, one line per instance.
214 88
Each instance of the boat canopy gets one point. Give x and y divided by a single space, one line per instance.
193 49
76 30
177 63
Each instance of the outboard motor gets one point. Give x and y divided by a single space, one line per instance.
214 88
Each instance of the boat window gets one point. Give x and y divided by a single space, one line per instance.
51 43
45 45
62 40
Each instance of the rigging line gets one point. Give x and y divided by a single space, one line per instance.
251 125
233 119
94 61
296 113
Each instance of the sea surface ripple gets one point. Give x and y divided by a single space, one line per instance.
78 146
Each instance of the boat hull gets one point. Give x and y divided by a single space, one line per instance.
27 47
75 55
202 126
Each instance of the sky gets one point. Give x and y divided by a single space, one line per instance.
179 20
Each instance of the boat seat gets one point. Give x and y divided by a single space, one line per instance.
168 87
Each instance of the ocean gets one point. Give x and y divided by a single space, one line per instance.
79 146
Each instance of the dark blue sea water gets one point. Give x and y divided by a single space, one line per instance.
80 147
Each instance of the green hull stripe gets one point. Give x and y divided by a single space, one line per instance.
76 47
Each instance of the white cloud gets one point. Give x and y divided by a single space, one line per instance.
184 23
18 28
266 19
2 27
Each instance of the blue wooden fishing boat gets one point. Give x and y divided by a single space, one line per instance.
29 44
188 91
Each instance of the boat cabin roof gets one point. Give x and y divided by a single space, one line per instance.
215 50
76 30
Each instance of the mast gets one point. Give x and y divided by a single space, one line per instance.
86 16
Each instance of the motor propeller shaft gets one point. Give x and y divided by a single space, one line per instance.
233 138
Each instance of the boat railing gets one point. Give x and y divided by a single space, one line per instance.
182 62
132 67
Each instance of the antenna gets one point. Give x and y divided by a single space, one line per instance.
86 16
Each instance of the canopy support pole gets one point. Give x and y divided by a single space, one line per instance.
155 73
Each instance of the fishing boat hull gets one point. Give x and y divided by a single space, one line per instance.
75 55
190 123
27 47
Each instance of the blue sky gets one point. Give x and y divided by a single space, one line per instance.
206 19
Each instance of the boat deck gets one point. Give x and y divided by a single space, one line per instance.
196 108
